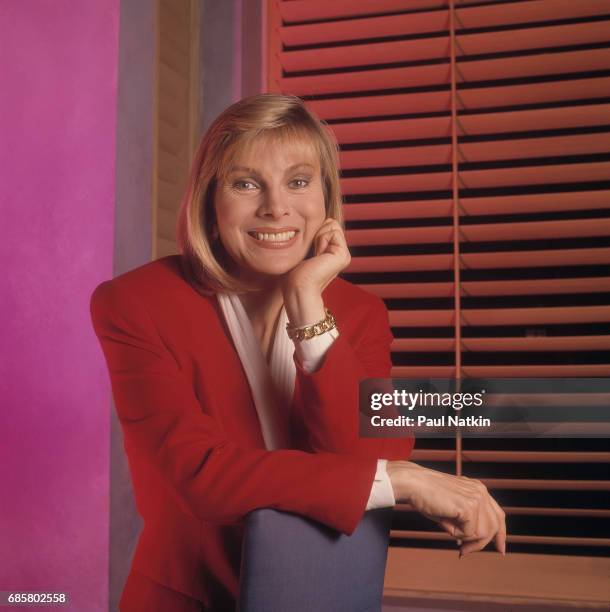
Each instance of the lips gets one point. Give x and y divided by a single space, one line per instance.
271 243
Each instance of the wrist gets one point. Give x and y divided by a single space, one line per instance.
400 474
304 305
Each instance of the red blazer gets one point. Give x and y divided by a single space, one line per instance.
191 432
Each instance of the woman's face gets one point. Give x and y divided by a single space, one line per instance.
269 208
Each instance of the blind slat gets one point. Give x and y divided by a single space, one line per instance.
559 63
470 98
403 235
470 125
422 318
403 263
532 230
533 344
427 345
501 316
538 343
399 290
542 286
529 12
570 228
432 21
399 156
368 80
548 315
537 371
482 261
373 27
510 538
302 10
473 179
398 210
362 54
423 372
536 259
499 205
491 150
513 456
533 203
438 47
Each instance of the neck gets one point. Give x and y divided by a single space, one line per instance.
263 308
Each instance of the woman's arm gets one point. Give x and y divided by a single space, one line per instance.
328 400
327 404
326 407
211 477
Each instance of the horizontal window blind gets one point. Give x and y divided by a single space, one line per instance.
475 155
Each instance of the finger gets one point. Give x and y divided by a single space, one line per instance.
322 243
468 519
475 545
487 528
331 241
452 529
500 539
328 223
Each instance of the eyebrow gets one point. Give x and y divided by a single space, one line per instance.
255 172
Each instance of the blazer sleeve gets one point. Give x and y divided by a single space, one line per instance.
326 405
210 476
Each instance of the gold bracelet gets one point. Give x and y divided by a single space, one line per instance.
309 331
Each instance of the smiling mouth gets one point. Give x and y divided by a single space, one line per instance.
273 237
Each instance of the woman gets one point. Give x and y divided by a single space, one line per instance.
235 367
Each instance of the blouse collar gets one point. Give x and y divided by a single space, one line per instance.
272 385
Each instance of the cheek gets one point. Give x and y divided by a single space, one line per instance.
229 217
316 216
315 208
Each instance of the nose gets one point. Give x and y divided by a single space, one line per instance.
273 204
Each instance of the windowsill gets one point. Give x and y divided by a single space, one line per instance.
487 581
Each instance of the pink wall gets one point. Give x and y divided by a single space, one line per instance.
57 163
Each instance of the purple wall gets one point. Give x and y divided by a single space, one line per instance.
57 161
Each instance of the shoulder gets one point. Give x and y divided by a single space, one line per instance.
159 285
166 271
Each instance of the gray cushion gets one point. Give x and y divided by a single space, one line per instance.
293 564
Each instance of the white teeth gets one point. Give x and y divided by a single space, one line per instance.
282 237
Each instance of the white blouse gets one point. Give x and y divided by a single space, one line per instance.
272 384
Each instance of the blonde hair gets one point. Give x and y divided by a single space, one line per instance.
281 117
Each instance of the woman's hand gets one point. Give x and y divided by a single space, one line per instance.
461 506
303 285
331 255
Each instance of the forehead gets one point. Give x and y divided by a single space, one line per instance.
274 153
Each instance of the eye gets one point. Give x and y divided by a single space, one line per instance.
304 182
241 185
